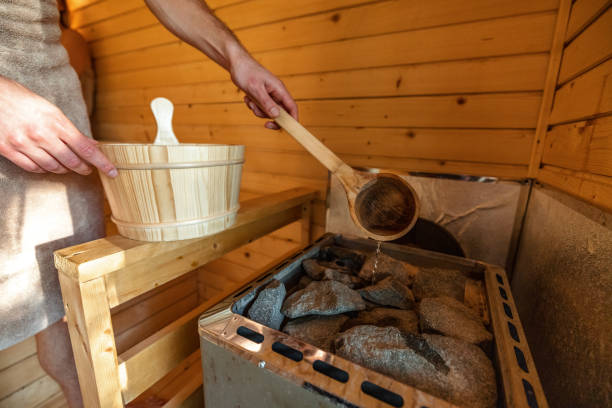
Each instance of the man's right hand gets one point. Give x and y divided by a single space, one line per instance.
38 137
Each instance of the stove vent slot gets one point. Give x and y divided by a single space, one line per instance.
330 371
249 334
286 351
382 394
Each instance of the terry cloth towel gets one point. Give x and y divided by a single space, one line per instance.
39 213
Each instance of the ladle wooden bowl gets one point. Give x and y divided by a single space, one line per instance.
383 205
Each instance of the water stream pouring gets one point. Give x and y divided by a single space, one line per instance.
383 205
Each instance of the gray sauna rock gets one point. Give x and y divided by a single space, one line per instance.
388 351
389 292
433 282
349 258
387 266
313 269
266 309
406 321
320 331
452 318
322 271
322 298
448 368
471 379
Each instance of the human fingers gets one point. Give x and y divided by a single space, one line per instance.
62 153
20 160
253 106
87 149
44 160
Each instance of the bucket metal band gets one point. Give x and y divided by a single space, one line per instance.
139 225
185 165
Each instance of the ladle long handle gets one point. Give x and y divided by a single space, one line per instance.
312 144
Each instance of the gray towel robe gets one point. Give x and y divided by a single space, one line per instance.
39 213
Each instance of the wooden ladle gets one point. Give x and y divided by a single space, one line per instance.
383 205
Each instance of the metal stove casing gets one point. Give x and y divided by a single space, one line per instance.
246 364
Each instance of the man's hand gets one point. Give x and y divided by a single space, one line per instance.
193 22
263 90
39 138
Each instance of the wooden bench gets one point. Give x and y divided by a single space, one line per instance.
99 275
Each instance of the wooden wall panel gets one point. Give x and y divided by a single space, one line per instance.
577 155
435 86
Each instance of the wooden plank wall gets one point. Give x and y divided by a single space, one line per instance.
577 154
437 85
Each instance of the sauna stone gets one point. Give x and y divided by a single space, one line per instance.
320 331
406 321
315 270
471 379
389 292
387 266
322 298
448 368
452 318
350 259
433 282
266 308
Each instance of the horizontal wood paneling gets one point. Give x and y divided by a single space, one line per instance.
583 13
599 160
506 110
577 151
512 73
587 95
470 40
591 47
493 145
596 190
366 20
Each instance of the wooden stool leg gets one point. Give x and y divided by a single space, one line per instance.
306 223
93 341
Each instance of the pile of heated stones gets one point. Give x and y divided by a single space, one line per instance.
407 322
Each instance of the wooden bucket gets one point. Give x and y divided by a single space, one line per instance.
173 192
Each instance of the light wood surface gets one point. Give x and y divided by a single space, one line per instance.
552 73
105 273
165 193
588 49
577 147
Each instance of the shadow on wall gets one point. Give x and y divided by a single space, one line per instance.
562 285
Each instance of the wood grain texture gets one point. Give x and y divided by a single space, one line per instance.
503 110
585 96
550 83
360 20
104 256
591 47
583 13
469 40
497 74
594 189
599 159
175 387
93 341
165 193
567 146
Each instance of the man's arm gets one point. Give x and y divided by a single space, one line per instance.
38 137
193 22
